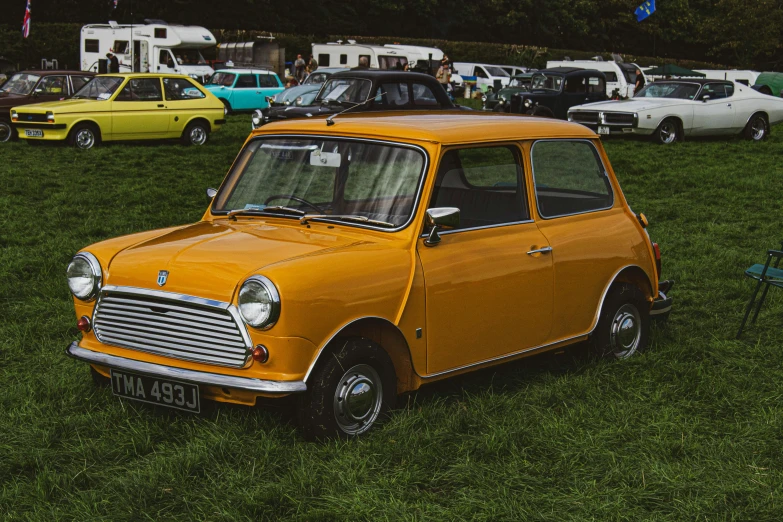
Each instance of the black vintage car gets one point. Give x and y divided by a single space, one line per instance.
553 91
500 101
366 90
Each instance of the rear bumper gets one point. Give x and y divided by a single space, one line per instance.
661 306
169 372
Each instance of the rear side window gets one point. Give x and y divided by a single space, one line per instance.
569 178
141 89
267 80
595 84
392 96
181 89
423 96
611 77
574 85
484 183
246 81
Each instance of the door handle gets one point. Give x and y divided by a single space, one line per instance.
161 106
728 104
542 250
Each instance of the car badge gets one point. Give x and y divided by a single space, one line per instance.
163 275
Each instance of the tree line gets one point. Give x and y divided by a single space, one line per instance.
743 33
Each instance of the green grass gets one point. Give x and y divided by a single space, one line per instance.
690 430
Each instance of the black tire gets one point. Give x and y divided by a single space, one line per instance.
227 105
668 132
624 324
7 132
349 392
540 110
498 108
84 136
196 133
757 128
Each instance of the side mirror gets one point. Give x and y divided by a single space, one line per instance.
211 193
705 98
38 91
440 218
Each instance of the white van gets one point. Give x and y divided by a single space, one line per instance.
153 47
744 77
619 75
338 54
483 73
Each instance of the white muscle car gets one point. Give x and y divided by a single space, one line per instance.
669 110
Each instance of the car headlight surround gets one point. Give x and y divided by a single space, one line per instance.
85 276
258 118
298 101
528 103
259 302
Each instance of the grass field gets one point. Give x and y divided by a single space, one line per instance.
690 430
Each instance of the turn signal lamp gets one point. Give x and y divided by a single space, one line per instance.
83 324
50 117
657 250
643 220
14 116
261 354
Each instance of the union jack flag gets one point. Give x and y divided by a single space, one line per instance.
26 21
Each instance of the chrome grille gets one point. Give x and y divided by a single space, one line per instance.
171 325
584 116
618 117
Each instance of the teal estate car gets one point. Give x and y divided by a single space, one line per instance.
244 89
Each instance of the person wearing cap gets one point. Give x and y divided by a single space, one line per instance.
114 63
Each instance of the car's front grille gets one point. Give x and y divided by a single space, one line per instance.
27 117
621 118
584 116
171 325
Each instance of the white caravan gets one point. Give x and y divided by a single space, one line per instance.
154 47
484 74
418 53
619 75
338 54
743 77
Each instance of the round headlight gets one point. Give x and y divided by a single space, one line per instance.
258 118
298 100
528 102
84 276
259 302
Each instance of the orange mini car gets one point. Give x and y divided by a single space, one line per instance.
351 260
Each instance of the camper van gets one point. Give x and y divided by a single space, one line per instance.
743 77
155 47
620 76
338 54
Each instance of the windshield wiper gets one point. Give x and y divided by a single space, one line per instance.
282 210
356 219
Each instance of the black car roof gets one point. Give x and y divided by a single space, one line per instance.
573 70
372 74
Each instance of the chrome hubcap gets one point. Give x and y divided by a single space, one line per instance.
358 399
5 132
626 331
668 132
85 139
198 136
758 128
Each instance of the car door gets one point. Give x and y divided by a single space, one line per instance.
166 62
713 111
244 92
139 111
574 93
489 281
575 206
51 88
268 85
184 100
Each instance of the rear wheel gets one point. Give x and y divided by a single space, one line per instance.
757 128
7 133
668 132
196 133
349 392
84 136
624 324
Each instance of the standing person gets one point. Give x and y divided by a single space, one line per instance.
444 73
114 63
312 65
639 82
299 68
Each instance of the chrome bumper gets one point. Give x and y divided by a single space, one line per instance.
661 306
180 374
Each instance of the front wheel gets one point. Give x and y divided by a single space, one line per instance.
757 128
667 132
349 392
624 324
84 137
7 133
196 133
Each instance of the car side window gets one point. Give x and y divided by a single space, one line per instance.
595 85
574 85
729 89
485 183
79 82
569 178
181 89
480 72
246 81
610 77
141 89
267 80
52 85
165 58
715 91
392 96
423 96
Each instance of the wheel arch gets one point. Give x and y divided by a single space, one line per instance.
631 274
86 121
385 334
761 112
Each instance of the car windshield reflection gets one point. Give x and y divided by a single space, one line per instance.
547 82
100 88
680 90
21 84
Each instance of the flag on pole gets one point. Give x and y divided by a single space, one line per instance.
26 21
643 11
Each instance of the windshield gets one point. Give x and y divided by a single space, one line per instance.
222 78
100 88
189 57
550 82
681 90
354 90
325 176
20 84
519 82
316 78
495 71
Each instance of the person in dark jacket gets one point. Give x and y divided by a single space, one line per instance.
639 82
114 63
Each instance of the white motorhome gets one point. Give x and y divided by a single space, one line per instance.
484 74
152 47
619 75
744 77
417 53
338 54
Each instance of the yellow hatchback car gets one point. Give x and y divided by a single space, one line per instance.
114 107
352 259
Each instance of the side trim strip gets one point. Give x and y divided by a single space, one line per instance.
169 372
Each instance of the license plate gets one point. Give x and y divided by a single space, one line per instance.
603 130
163 392
33 133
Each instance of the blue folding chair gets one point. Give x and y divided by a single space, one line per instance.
767 276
